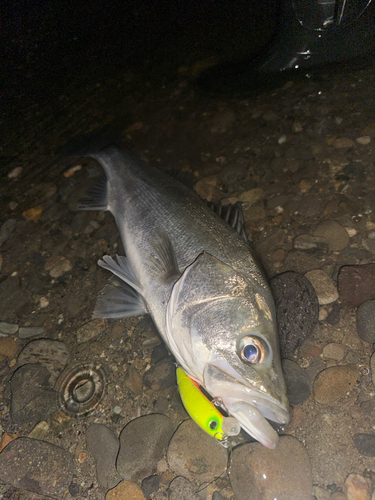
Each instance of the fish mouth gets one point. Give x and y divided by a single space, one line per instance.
251 407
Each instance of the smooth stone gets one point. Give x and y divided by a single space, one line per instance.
324 286
57 265
161 376
356 487
309 206
126 490
7 229
301 262
8 328
254 214
333 316
26 332
364 140
133 380
356 284
297 382
365 444
283 473
270 241
365 321
334 382
36 466
9 347
150 484
310 243
343 142
40 431
297 309
181 489
33 399
142 444
251 196
334 351
195 455
53 354
320 493
337 495
334 234
104 445
90 330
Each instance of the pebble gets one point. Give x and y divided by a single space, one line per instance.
6 438
33 214
283 473
334 382
57 265
36 466
161 376
14 173
150 484
90 330
356 284
297 309
320 493
254 214
195 455
324 286
309 206
270 241
282 139
365 444
365 321
365 139
181 489
43 302
207 190
9 347
356 487
53 354
334 234
33 399
26 332
337 495
40 431
297 382
310 243
251 196
343 142
334 351
7 229
126 490
133 380
142 444
104 445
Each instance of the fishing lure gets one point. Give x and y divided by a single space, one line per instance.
203 411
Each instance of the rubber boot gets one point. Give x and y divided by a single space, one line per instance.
310 34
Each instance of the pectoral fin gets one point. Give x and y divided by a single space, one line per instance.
119 300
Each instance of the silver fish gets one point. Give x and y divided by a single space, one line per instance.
200 283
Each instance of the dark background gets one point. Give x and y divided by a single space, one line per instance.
45 44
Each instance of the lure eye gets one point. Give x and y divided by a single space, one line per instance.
213 425
252 350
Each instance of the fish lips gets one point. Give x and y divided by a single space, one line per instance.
246 403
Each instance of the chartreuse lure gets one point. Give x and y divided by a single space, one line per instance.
203 411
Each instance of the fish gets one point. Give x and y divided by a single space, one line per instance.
201 284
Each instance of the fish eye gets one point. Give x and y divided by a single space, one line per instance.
252 350
213 425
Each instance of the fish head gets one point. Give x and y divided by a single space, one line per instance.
222 328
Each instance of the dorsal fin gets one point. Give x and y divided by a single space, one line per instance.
232 215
